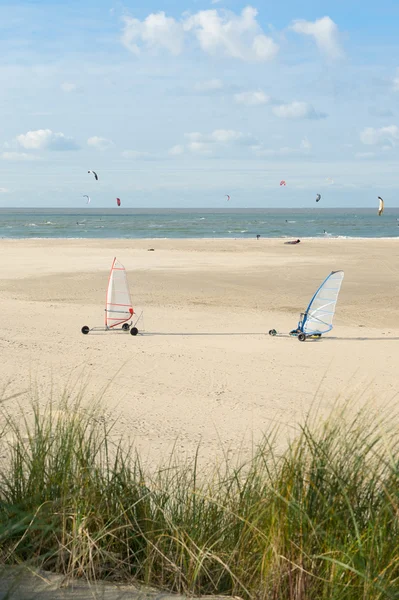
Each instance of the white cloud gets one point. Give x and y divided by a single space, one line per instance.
222 136
17 156
231 35
264 48
100 143
219 138
157 31
252 98
304 147
325 33
195 136
176 150
226 136
69 87
297 110
200 147
212 85
384 136
285 151
4 191
395 81
219 33
305 144
135 154
45 139
365 154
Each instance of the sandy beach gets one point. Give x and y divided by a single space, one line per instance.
204 369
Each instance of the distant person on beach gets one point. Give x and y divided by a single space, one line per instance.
293 242
258 236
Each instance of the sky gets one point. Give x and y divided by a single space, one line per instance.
179 103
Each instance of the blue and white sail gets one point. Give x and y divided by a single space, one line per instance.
319 315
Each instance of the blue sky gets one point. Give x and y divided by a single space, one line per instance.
178 103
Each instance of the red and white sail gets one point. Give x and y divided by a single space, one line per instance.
118 307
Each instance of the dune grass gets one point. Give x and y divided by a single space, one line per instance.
318 521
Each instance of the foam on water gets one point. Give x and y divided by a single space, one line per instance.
185 223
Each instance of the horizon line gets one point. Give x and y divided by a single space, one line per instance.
197 208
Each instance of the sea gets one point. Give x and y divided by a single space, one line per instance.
31 223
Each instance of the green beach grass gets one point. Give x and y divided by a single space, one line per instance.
316 521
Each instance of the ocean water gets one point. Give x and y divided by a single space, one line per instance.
197 223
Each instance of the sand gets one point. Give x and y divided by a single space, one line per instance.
204 370
19 583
